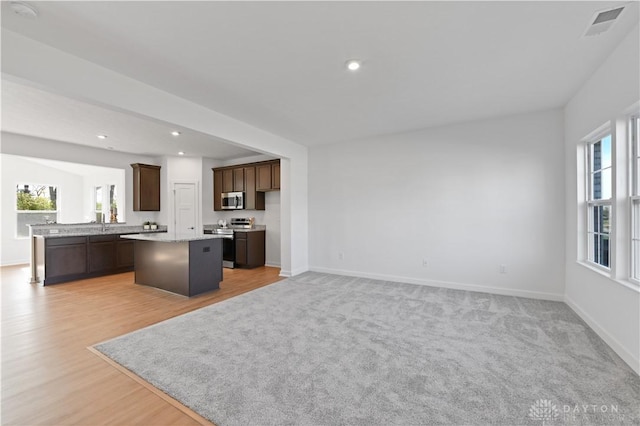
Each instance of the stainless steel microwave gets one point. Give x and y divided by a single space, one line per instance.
232 200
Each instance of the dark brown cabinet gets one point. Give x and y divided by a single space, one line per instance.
275 175
217 190
74 258
268 176
253 200
250 249
253 179
238 179
146 187
227 180
241 249
65 258
264 177
231 179
102 253
124 253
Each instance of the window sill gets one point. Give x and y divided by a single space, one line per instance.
607 274
596 268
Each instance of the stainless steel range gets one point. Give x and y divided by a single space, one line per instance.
243 222
228 244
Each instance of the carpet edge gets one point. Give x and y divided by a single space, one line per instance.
166 397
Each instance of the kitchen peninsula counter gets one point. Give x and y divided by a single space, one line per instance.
58 230
69 252
180 263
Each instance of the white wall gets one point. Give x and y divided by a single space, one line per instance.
610 308
17 170
467 198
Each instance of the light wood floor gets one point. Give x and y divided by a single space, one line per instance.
48 375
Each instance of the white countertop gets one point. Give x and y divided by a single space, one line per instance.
172 237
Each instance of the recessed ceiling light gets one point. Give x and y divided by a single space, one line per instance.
181 153
102 136
353 64
175 133
24 10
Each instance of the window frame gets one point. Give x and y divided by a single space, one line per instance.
591 203
634 199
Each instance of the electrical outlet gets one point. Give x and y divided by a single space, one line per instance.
341 256
425 263
503 269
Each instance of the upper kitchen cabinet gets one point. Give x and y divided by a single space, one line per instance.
275 175
217 190
146 187
238 180
233 179
227 180
253 179
268 176
253 200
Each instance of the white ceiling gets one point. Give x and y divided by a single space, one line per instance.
280 65
81 170
34 112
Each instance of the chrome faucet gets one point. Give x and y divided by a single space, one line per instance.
104 225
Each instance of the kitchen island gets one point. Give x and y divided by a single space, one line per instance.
184 264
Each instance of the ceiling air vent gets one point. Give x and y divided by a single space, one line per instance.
603 21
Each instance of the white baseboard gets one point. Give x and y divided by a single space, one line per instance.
272 265
15 263
299 271
285 273
613 343
445 284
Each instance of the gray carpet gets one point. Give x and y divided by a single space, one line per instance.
322 349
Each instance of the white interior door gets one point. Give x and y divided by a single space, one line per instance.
185 207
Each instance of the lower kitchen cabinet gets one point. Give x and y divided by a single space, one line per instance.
102 253
250 249
63 259
124 253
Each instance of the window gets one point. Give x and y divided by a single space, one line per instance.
106 208
599 204
635 198
98 203
35 204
